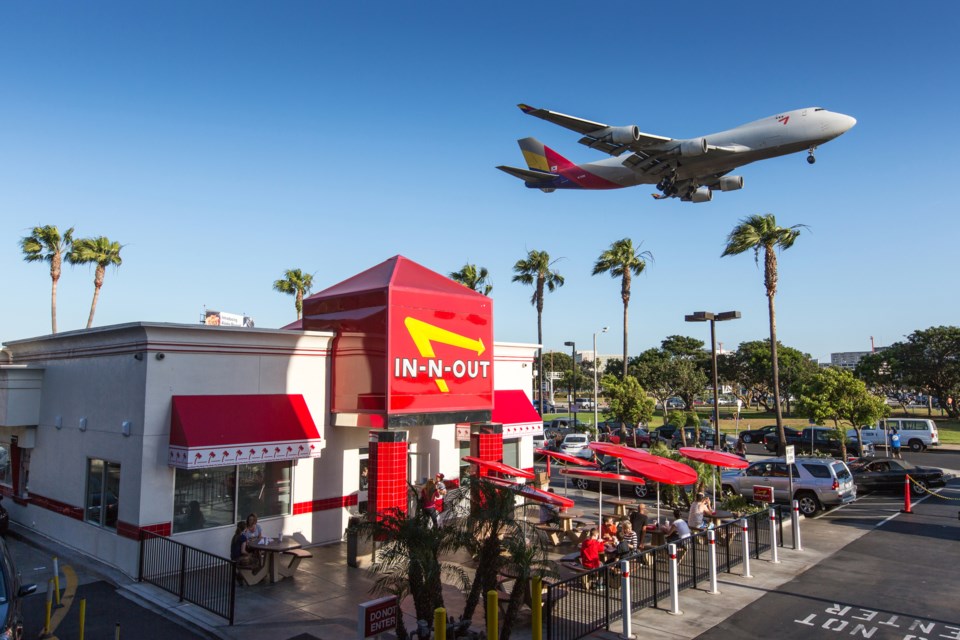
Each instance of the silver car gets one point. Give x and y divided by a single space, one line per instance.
817 482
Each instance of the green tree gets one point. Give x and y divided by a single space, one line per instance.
683 347
295 283
836 395
536 269
762 235
408 558
628 402
100 251
46 244
473 278
876 371
622 261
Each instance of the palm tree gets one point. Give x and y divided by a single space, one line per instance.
100 251
45 244
469 277
296 283
535 270
761 233
622 261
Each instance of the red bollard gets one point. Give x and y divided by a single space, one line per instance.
906 496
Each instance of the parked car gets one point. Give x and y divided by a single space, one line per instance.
548 407
817 482
664 434
676 403
11 595
609 465
757 435
583 404
916 433
573 443
889 474
707 438
820 439
566 423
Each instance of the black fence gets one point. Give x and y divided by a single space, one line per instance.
199 577
591 600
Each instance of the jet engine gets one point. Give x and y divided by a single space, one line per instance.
702 194
619 135
694 147
731 183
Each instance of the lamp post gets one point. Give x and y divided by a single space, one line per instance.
596 407
573 379
704 316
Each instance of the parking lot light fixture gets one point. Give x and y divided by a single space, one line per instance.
572 387
596 409
713 318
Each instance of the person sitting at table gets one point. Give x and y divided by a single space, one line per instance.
699 508
629 542
548 512
639 520
677 531
590 550
609 532
238 549
252 532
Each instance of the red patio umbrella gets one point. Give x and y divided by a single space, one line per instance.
532 493
500 467
601 476
660 470
715 459
565 457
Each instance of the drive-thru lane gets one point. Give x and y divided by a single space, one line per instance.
899 581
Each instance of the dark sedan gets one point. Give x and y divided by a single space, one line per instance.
889 474
757 435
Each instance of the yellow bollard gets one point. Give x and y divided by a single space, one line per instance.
492 625
536 597
83 616
440 623
56 577
46 623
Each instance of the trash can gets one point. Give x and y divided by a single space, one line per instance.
353 541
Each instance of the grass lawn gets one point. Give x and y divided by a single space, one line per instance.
949 429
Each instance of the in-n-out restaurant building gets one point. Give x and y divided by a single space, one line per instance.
391 377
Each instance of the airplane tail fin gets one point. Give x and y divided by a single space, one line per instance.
538 156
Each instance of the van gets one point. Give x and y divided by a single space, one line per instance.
915 433
583 404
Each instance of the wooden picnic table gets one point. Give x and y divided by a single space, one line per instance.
621 506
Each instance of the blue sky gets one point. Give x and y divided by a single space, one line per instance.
222 143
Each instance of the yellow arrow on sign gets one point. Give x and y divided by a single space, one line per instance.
424 335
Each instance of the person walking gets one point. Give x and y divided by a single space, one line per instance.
895 443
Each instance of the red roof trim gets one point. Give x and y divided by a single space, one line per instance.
513 407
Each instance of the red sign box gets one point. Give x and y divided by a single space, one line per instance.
762 493
377 616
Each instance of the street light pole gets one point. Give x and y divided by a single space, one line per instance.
596 407
703 316
573 379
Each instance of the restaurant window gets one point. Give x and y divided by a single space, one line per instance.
6 475
220 496
103 493
511 452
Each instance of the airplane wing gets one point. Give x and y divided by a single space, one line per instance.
596 134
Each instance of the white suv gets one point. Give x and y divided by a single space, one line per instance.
916 433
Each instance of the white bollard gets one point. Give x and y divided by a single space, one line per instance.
674 581
773 536
796 526
746 549
625 601
712 539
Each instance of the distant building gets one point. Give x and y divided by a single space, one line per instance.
847 359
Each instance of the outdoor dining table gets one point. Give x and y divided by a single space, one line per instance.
621 506
273 548
718 516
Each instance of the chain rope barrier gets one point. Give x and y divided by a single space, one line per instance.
919 485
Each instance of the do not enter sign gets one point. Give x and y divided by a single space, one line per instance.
762 493
377 616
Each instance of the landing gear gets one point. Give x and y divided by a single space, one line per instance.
810 158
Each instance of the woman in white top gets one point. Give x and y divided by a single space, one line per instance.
700 507
678 529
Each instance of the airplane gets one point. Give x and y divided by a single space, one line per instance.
689 169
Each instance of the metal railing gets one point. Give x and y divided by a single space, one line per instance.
197 576
590 601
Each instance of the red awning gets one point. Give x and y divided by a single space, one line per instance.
716 458
532 493
602 475
565 457
513 409
661 469
499 467
216 431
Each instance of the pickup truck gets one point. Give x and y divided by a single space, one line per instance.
821 439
